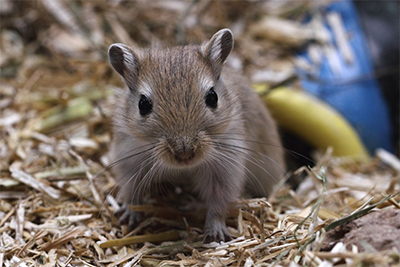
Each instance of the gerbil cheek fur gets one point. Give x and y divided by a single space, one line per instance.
186 115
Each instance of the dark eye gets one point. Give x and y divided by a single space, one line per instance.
145 105
211 98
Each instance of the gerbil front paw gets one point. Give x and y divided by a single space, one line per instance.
128 217
216 232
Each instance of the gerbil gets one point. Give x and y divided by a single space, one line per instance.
186 116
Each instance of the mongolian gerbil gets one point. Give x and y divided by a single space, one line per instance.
185 116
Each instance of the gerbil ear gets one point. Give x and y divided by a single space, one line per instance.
125 62
218 49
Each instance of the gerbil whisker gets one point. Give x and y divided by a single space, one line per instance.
162 172
156 167
292 152
250 150
160 183
226 149
139 194
133 177
240 150
247 155
227 164
120 160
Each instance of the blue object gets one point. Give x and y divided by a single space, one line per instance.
353 91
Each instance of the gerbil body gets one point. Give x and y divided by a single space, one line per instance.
185 116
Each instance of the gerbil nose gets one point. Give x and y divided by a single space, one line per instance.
184 149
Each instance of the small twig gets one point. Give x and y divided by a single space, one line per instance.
95 193
317 205
165 236
32 182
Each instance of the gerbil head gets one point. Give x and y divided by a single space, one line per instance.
177 99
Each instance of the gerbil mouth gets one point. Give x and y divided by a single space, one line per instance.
185 158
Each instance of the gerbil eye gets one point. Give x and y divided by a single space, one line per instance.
145 105
211 98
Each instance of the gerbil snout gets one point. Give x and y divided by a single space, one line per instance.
184 150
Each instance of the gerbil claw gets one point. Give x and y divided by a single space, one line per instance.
209 239
128 217
217 235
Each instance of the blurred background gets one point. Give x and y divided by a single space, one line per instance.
329 70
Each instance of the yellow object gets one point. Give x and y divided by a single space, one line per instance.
314 121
